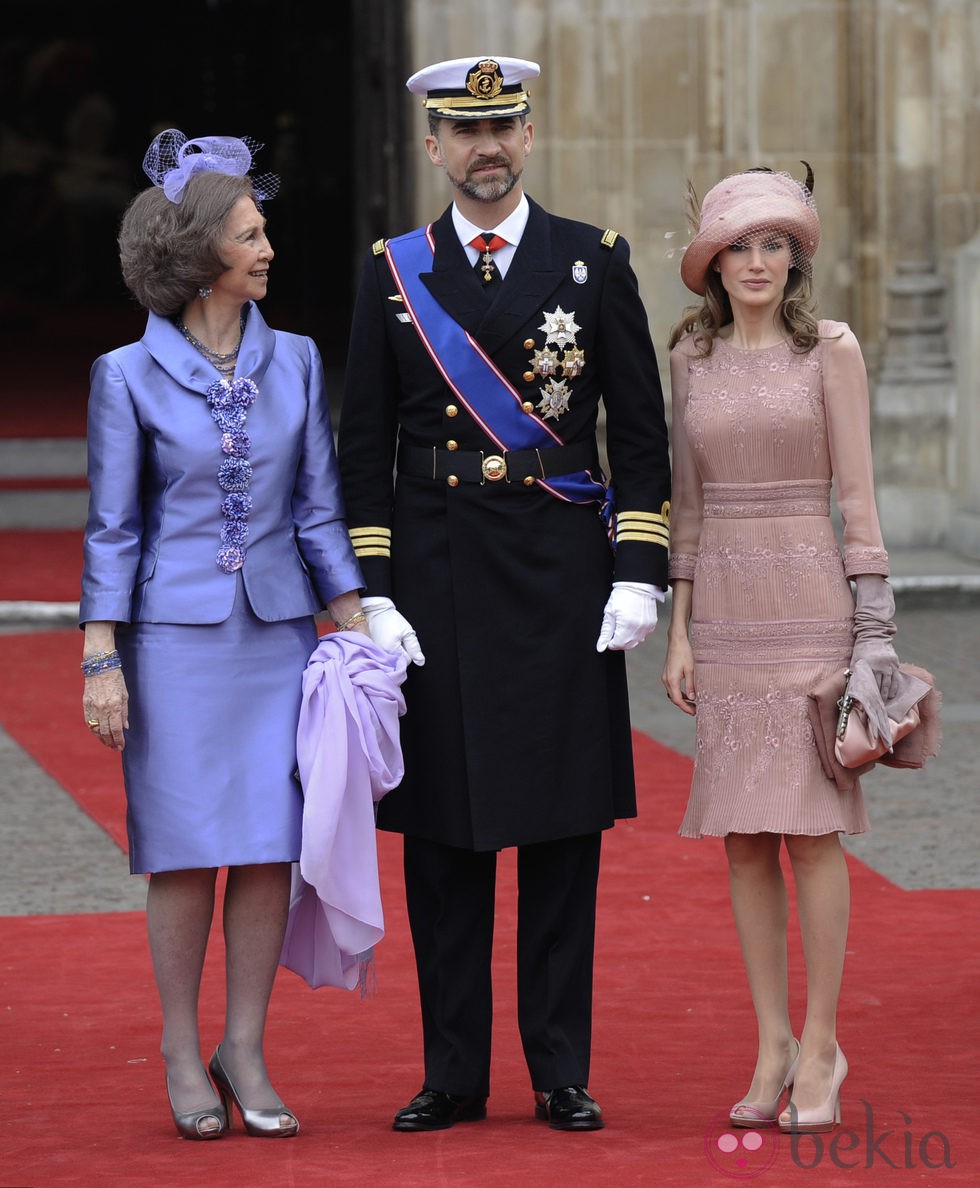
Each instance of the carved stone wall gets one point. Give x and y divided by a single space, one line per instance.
882 97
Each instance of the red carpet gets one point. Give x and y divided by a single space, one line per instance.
43 565
82 1098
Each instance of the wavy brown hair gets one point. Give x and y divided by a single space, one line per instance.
169 250
798 311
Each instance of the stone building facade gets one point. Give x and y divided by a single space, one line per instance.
882 97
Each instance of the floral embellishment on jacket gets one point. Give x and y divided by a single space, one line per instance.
229 401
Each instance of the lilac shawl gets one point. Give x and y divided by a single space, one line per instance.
349 755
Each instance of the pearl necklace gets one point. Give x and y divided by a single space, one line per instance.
225 363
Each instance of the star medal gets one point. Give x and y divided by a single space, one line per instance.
560 327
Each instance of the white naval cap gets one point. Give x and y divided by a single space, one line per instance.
468 89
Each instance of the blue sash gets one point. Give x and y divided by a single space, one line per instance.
478 385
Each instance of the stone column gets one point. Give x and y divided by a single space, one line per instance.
915 387
965 533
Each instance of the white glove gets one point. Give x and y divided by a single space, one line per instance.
391 630
630 615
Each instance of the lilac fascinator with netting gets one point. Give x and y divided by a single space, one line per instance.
172 160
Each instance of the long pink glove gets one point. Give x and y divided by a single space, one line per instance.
874 627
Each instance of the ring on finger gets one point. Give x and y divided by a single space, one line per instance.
92 723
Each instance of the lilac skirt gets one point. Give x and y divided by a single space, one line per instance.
210 757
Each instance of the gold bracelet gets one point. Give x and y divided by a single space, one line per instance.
356 617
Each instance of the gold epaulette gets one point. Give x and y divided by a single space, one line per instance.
378 247
609 237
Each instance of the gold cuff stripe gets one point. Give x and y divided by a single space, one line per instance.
640 517
657 538
371 542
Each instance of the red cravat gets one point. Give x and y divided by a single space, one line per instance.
486 246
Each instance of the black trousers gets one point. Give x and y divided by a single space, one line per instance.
450 897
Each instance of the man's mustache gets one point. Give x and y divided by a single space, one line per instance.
483 162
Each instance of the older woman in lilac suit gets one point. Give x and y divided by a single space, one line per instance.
215 534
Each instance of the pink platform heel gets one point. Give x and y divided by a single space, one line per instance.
822 1117
755 1114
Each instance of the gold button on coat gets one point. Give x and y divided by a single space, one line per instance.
529 481
453 481
529 377
451 410
528 343
528 406
452 445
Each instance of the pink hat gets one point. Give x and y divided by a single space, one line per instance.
746 203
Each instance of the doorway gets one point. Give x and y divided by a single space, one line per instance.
85 87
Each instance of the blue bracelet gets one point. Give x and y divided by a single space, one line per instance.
101 662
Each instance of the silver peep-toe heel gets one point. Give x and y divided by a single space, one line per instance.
269 1123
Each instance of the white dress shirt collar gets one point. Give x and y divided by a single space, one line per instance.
511 229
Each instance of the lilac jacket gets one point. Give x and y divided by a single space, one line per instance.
155 507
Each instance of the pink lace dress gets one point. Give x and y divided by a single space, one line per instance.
758 437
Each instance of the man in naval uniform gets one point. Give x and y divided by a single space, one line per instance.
495 559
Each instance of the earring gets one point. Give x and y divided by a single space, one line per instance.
204 294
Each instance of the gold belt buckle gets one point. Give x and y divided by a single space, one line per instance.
494 467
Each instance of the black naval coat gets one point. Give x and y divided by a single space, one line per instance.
516 730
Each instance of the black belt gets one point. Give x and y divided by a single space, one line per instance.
481 466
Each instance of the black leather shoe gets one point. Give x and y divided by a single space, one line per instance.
569 1108
433 1110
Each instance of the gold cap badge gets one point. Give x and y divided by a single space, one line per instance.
485 80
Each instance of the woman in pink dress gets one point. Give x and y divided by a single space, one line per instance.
770 408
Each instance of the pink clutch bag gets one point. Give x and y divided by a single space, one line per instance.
852 739
840 729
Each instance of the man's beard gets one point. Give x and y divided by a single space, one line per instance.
490 189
